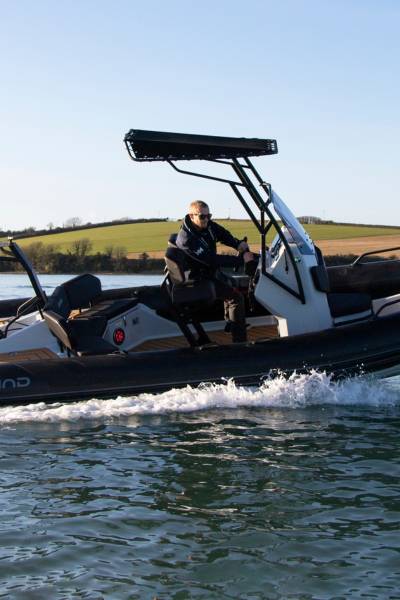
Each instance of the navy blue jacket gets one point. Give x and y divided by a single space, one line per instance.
200 247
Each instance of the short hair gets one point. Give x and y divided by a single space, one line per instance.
197 204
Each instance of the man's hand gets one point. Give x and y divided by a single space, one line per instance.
244 251
248 256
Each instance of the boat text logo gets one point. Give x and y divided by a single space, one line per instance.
11 383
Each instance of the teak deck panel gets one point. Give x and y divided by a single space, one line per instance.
34 354
219 337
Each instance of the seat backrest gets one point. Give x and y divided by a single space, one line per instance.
378 278
58 326
58 302
76 293
175 261
319 273
82 290
172 240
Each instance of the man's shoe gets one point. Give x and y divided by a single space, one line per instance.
239 332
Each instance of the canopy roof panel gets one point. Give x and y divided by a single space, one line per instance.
161 145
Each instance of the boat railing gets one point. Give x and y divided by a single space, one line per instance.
359 262
386 305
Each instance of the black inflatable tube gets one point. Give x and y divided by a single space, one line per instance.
368 347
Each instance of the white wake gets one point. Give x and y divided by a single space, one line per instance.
296 391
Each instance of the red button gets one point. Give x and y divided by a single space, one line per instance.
119 336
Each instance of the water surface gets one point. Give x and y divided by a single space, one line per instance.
289 491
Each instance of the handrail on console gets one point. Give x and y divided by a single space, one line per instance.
371 252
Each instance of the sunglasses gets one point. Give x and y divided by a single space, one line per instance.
201 216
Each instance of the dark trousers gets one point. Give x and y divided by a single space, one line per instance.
235 312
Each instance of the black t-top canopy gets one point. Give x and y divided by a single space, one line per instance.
161 145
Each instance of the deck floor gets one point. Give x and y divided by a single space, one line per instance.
261 332
34 354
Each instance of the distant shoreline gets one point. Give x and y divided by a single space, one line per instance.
330 259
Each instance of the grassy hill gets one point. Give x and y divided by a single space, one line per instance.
152 237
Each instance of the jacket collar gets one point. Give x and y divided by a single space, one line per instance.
191 227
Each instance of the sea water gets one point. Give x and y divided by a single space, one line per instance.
287 491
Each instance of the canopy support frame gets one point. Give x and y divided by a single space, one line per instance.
260 223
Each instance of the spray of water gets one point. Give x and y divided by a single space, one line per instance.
297 391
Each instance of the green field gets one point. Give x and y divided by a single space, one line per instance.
152 237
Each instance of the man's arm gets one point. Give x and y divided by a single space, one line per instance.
224 236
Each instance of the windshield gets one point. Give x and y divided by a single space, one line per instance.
296 230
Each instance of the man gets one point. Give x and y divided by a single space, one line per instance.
198 238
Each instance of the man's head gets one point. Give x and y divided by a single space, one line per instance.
199 214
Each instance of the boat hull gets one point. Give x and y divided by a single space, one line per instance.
369 347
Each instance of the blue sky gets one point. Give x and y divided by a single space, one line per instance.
322 77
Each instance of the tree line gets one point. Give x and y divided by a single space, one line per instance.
47 258
73 224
